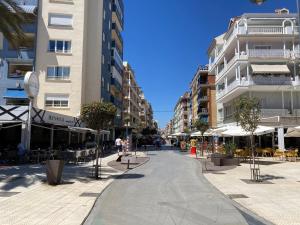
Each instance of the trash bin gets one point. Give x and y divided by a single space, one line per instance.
54 170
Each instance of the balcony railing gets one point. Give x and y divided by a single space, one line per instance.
271 80
115 28
117 58
253 30
118 10
269 53
265 30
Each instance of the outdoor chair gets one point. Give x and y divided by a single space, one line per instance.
279 154
292 155
267 152
258 151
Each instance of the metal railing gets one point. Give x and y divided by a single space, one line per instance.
265 30
269 53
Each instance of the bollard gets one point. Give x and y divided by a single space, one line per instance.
128 162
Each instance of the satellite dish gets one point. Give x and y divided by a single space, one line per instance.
31 84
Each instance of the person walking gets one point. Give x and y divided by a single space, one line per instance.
118 144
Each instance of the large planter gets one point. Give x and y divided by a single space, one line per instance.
54 170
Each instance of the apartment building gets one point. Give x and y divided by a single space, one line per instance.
259 56
16 61
203 94
181 114
77 58
131 98
169 128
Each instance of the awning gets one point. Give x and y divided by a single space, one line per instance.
238 131
272 69
15 94
293 132
208 133
30 9
180 134
85 130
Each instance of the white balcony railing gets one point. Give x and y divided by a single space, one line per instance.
269 53
231 86
265 30
253 30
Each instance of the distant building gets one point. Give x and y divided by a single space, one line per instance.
181 114
203 97
131 99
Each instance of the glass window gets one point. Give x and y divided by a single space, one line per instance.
51 46
51 72
60 20
57 101
67 46
59 46
58 72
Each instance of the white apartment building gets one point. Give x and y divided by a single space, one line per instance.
182 114
131 98
259 56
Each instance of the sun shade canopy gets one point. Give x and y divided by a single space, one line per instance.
273 69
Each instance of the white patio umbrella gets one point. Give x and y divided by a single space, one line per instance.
293 132
208 133
238 131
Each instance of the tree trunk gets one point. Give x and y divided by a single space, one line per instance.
252 150
97 156
202 148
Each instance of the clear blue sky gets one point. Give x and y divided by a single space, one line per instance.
166 40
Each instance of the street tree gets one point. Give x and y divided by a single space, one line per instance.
12 17
202 126
98 116
247 114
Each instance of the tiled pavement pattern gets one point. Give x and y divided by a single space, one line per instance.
39 204
277 200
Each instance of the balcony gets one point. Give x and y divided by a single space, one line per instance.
265 30
202 111
118 14
252 30
203 99
116 35
117 58
271 80
235 84
115 82
269 53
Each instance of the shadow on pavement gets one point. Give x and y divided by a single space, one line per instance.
130 176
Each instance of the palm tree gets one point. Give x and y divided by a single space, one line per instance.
11 20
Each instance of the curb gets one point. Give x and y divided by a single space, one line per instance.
118 176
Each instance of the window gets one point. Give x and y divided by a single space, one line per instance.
104 14
58 72
59 46
57 101
18 70
103 36
62 20
103 59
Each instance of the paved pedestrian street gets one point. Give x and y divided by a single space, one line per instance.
169 189
25 199
277 199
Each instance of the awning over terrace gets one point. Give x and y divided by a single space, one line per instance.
272 69
15 94
238 131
